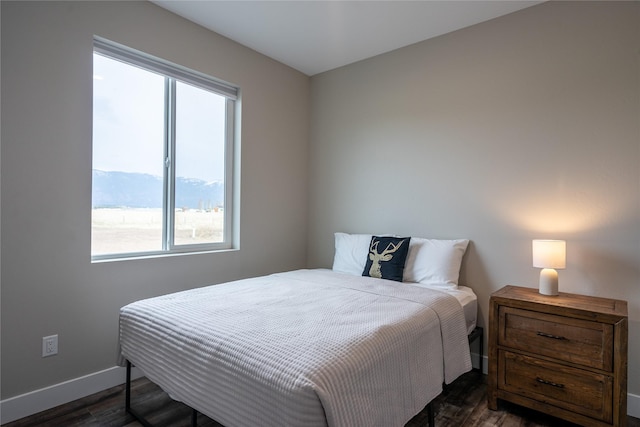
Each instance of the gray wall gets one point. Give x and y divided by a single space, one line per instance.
523 127
49 285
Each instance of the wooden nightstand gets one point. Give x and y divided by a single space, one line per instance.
564 355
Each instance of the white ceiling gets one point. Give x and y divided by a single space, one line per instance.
317 36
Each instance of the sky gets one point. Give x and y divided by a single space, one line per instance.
128 123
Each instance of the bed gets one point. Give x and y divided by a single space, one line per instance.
303 348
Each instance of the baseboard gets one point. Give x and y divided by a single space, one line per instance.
633 405
36 401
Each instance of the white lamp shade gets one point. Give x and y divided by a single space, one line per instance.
549 253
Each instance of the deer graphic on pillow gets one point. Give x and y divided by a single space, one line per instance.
378 257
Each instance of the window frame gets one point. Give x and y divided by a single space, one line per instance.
174 73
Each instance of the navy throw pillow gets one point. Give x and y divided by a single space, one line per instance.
386 257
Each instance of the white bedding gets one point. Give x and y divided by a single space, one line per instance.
465 296
308 347
469 301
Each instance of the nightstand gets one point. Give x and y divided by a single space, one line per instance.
564 355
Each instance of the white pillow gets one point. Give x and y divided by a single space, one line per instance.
435 262
351 253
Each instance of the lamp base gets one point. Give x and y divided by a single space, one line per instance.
548 282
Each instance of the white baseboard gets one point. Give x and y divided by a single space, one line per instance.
633 405
36 401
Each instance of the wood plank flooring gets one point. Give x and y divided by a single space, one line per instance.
462 404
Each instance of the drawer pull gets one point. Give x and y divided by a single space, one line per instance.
555 337
545 382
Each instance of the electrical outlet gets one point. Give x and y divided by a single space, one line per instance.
49 345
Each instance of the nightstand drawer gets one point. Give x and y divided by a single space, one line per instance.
572 340
573 389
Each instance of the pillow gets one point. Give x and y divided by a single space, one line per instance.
351 253
386 258
435 262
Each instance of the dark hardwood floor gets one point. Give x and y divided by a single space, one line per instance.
462 404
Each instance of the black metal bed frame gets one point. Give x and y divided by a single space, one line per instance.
476 334
137 415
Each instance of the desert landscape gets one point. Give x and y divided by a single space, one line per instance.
121 230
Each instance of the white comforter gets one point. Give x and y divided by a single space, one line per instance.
302 348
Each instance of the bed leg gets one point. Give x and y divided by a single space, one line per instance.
477 335
127 400
481 349
194 418
430 415
127 392
138 417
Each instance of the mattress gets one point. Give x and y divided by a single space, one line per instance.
308 347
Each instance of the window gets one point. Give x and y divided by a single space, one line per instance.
163 154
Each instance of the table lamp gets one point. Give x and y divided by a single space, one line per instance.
549 255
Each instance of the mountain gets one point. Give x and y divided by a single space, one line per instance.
138 190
